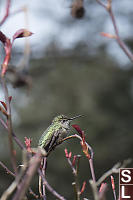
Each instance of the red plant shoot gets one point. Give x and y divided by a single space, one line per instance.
83 187
83 143
103 185
112 182
28 144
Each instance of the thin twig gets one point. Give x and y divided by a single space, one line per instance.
6 13
101 3
92 169
77 187
75 171
3 123
113 187
120 42
113 170
44 174
42 190
7 170
9 124
122 45
18 142
57 195
33 194
40 186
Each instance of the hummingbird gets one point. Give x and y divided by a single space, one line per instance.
58 129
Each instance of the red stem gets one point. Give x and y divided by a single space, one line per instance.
6 13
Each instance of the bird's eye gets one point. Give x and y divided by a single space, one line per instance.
63 120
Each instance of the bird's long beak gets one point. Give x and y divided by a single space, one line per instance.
72 118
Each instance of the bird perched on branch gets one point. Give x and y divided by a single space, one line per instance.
58 129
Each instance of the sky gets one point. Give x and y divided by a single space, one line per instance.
51 20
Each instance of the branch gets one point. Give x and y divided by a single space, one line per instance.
70 137
9 124
101 3
6 13
114 169
94 189
89 147
119 41
42 189
122 45
13 185
18 142
49 187
12 174
7 170
75 169
24 184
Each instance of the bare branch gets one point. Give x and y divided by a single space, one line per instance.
18 142
24 184
122 45
101 3
12 174
120 42
114 169
7 170
89 147
9 124
49 187
94 189
6 13
3 123
42 189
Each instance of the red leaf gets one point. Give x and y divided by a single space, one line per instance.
4 104
112 182
83 187
2 37
70 154
85 149
66 153
102 187
28 144
78 129
22 33
3 111
108 35
10 98
74 160
7 46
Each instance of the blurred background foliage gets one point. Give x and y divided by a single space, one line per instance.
80 79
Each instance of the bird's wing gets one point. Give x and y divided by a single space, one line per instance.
45 138
49 138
